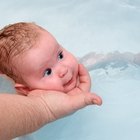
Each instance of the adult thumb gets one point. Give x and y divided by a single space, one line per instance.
79 101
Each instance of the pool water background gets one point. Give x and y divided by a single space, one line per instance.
83 27
119 116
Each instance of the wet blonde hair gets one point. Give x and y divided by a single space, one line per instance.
14 40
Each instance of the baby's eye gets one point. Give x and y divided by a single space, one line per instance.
48 72
60 56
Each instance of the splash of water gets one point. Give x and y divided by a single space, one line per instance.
113 59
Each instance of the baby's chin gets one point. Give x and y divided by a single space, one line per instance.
68 89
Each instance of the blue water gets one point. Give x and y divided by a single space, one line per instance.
105 35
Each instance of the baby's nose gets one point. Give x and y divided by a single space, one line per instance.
63 71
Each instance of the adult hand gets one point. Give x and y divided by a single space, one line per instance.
83 87
58 104
28 113
84 81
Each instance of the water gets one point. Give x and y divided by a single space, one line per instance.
106 35
117 82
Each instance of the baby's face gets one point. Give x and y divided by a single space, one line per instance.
48 66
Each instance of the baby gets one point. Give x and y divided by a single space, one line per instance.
33 58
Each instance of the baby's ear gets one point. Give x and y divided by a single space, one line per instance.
2 74
22 89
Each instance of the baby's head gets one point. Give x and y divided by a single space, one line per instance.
33 58
14 40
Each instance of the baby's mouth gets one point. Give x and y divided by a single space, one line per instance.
68 82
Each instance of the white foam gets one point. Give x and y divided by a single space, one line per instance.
113 59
